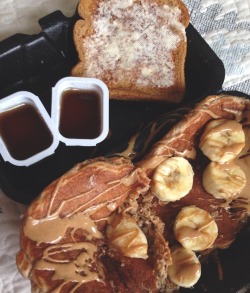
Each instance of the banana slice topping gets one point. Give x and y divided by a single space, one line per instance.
185 270
222 140
172 179
224 180
195 228
126 236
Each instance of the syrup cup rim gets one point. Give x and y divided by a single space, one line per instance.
81 83
16 99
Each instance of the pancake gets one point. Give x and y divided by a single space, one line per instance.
100 227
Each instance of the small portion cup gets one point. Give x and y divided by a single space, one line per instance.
100 112
20 132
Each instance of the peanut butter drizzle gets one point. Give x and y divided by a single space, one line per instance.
53 227
185 233
129 152
209 112
79 270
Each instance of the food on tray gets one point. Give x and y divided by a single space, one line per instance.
172 179
222 140
185 270
137 47
102 227
195 229
223 180
64 243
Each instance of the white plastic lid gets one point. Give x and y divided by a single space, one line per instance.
87 84
15 100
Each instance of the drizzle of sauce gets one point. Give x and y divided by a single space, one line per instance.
125 235
79 270
53 228
185 233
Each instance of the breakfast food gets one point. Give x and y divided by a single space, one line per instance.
137 47
222 140
124 234
73 239
185 270
224 180
101 228
172 179
183 140
195 228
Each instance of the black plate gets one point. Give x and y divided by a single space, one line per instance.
36 62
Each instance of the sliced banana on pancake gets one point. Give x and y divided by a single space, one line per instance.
172 179
224 181
195 228
126 236
185 270
222 140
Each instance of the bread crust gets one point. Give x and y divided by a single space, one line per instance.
126 88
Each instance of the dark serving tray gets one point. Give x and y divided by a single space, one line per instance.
36 62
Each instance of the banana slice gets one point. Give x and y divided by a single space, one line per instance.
224 180
172 179
222 140
185 270
195 228
126 236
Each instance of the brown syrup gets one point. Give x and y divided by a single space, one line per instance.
24 131
80 115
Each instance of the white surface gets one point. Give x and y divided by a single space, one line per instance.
21 16
224 24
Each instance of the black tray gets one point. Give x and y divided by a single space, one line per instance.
36 62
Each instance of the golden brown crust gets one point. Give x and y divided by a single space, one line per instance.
126 88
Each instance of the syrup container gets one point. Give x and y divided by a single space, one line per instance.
27 133
80 110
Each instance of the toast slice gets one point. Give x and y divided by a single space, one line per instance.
137 47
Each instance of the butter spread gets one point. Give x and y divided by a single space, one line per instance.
134 40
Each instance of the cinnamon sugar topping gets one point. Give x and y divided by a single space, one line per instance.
128 33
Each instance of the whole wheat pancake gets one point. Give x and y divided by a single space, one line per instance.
65 236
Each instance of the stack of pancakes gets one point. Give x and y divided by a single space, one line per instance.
100 228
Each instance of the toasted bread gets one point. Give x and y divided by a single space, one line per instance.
138 48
